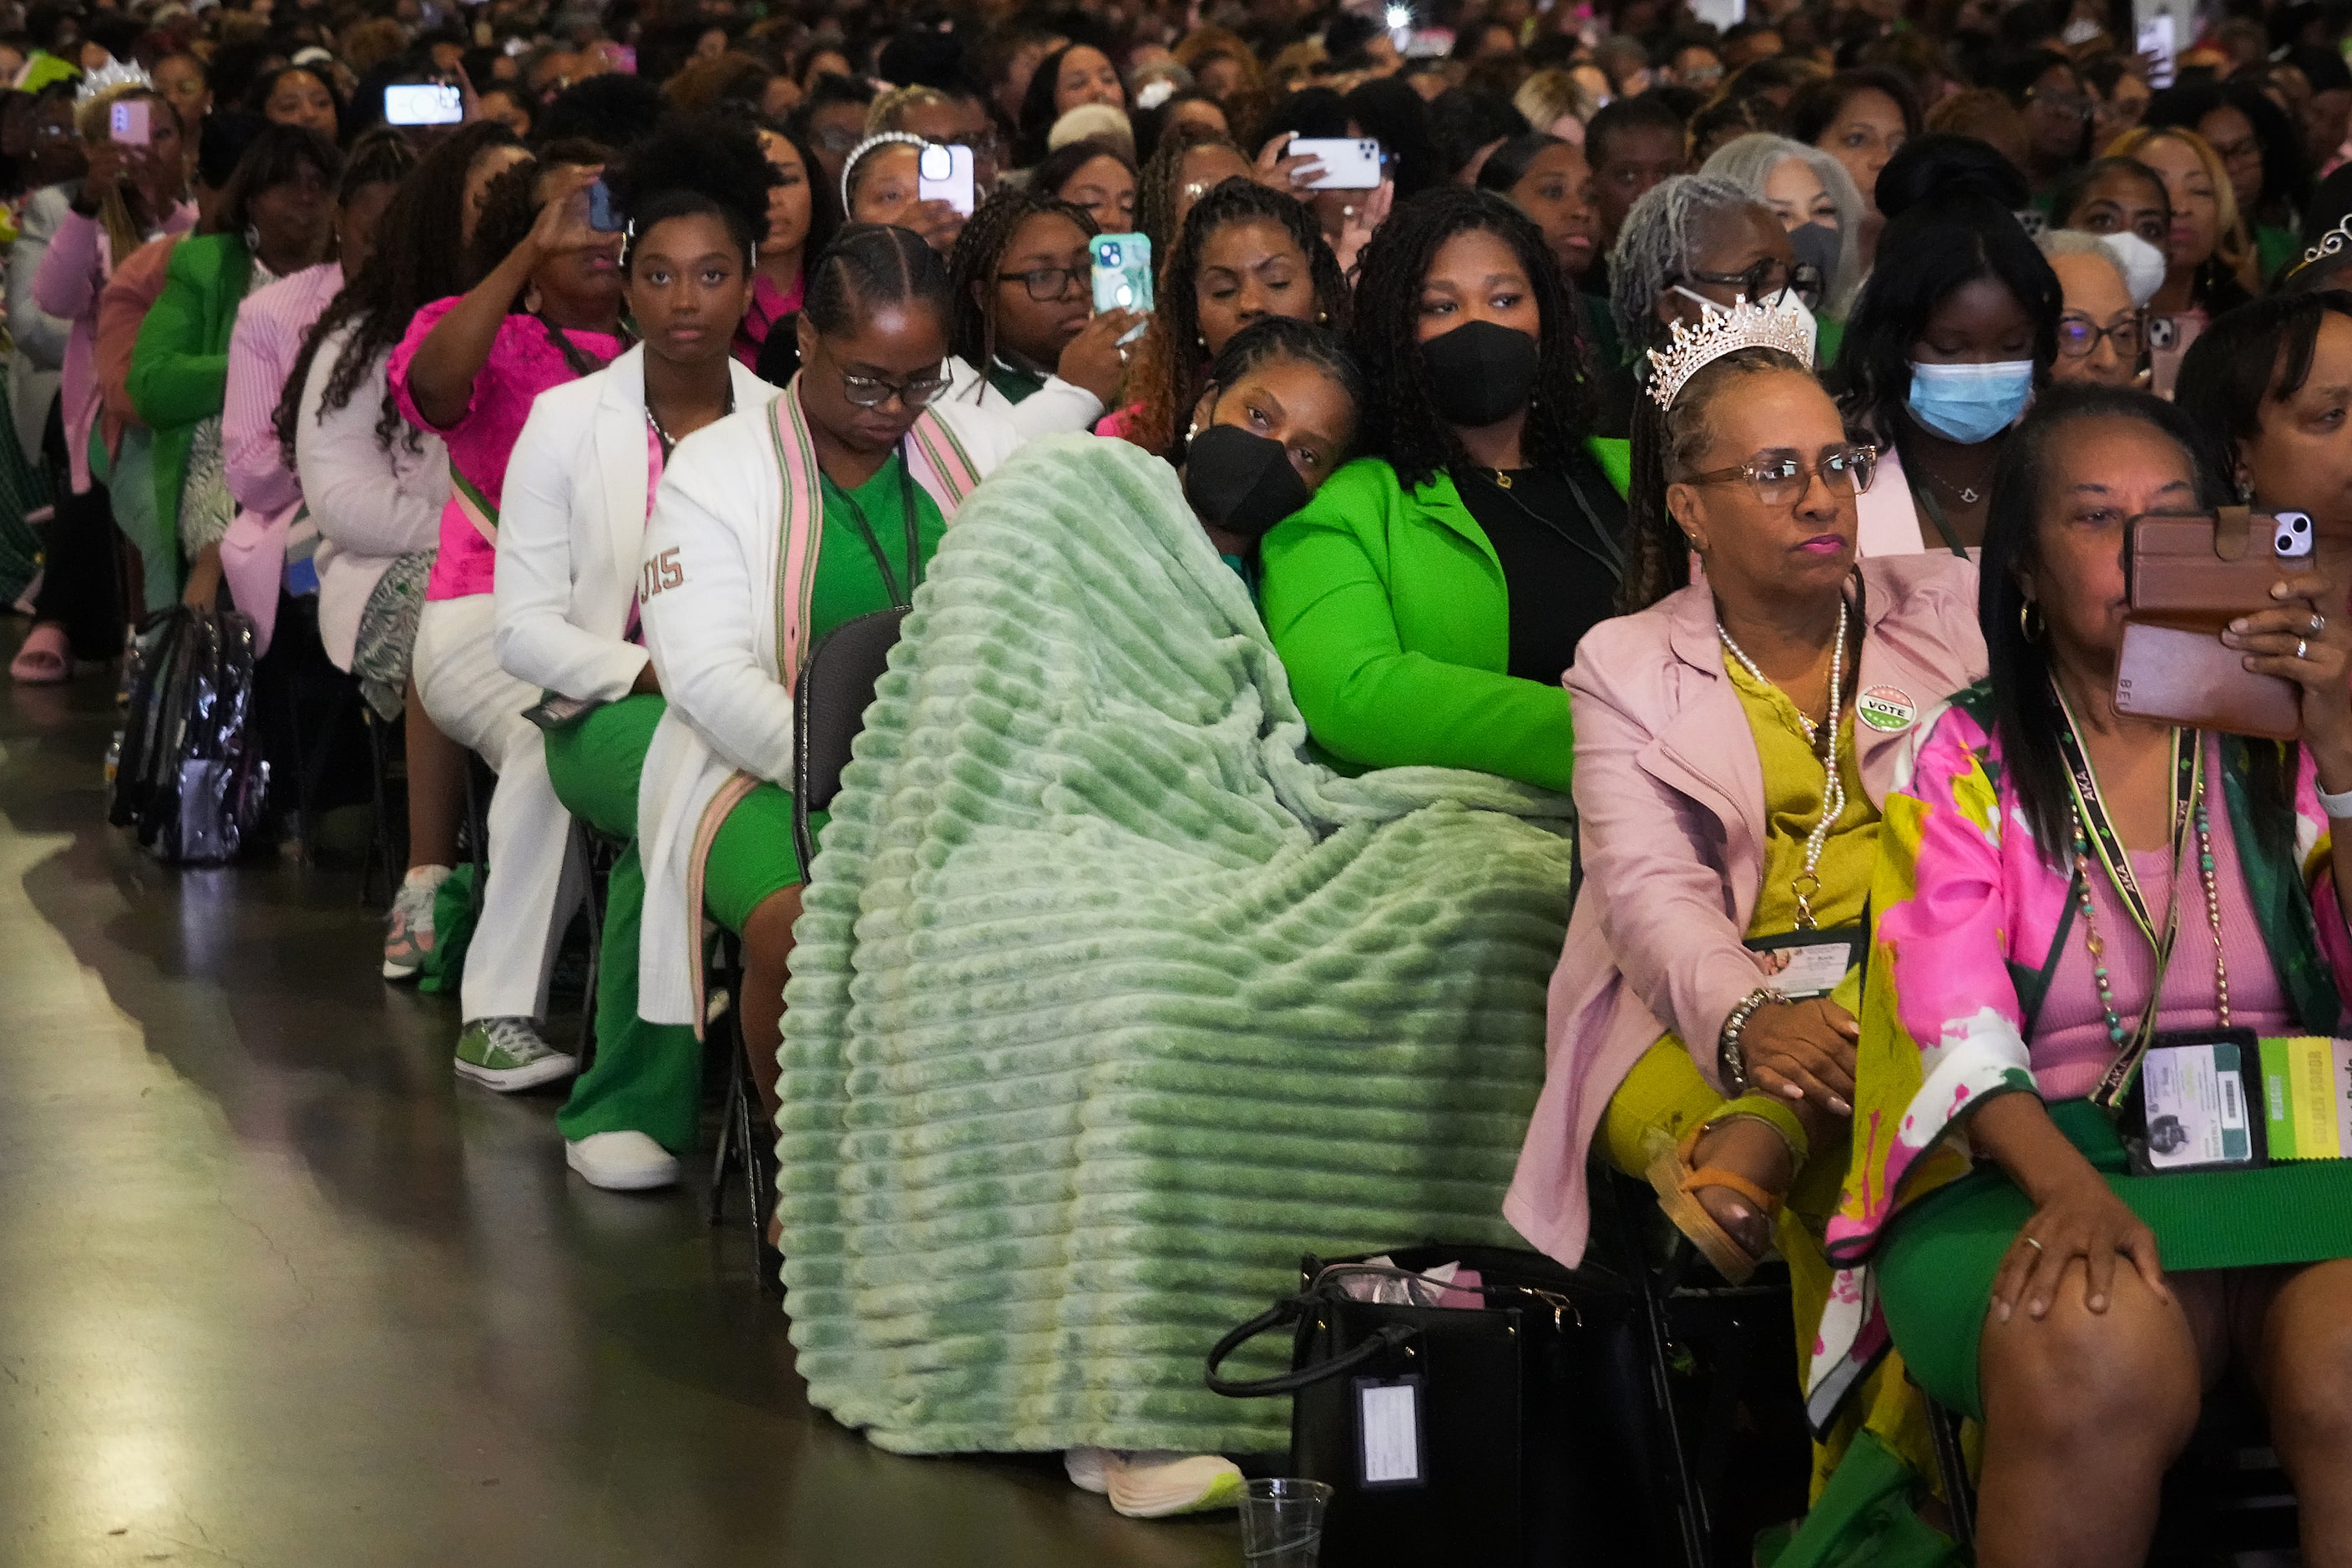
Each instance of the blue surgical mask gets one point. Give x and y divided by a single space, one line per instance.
1969 402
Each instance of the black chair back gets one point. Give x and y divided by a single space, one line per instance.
829 703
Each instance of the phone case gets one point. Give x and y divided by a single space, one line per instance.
2182 674
1122 272
2193 566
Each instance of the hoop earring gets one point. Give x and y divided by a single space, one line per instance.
253 239
2030 625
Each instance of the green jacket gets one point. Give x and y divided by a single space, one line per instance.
1390 615
179 372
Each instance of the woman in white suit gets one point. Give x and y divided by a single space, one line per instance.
773 528
570 544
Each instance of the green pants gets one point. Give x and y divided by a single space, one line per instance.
646 1077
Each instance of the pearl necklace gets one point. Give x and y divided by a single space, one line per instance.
1809 882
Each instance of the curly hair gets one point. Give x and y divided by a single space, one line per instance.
1667 444
703 165
417 259
1158 184
1167 374
979 254
510 206
1400 422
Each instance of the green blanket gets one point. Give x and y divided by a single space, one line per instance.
1108 1004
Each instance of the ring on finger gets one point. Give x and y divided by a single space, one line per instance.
2302 649
2030 1242
2318 625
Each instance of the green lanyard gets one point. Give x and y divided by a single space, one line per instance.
1926 498
873 544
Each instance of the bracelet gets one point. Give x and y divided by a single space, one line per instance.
1734 1060
2337 806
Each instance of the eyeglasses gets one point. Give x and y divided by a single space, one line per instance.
1046 284
836 139
1769 279
2078 336
1781 478
2073 105
872 391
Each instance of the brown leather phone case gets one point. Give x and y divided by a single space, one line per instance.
2195 567
2182 673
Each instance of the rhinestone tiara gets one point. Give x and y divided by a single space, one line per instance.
112 74
2330 244
1743 326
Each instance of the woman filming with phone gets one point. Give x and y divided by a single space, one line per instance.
1027 341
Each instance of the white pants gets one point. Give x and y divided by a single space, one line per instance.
535 880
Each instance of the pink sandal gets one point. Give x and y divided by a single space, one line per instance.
45 660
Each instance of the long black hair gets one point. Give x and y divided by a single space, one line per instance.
978 256
512 203
417 259
1401 424
2287 174
1507 164
2026 715
2259 353
1037 114
280 155
1933 249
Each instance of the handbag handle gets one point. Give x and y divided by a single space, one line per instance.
1392 1336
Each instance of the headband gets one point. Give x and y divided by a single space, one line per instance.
879 139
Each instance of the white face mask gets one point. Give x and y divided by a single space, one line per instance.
1787 305
2142 264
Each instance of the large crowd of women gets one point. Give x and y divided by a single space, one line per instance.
1735 429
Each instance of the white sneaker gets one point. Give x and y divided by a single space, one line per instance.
507 1055
410 936
1155 1483
626 1161
1090 1467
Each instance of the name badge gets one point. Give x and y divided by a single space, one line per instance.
2193 1107
1803 964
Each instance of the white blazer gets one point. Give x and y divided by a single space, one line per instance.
572 528
712 551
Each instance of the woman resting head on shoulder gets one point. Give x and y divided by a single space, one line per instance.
1276 419
2073 1296
1245 253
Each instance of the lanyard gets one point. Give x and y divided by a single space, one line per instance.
873 544
1610 556
2098 830
1926 498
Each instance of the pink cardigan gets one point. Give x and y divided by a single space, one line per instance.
73 274
1670 805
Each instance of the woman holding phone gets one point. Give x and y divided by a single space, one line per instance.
1027 341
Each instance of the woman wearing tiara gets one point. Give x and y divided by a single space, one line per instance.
1735 738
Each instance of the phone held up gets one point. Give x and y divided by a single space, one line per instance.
1122 272
603 217
2187 578
130 122
1349 163
943 174
423 103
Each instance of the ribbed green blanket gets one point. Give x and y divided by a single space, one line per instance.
1108 1003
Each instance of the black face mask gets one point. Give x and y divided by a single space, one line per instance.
1817 243
1479 372
1240 482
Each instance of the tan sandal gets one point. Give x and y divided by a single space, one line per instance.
1677 1186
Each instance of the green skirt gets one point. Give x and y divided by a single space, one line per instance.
1937 1267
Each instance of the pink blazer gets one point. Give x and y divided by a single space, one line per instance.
1670 805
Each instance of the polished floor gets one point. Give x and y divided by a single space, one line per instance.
276 1292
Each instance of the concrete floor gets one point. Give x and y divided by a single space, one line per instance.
275 1290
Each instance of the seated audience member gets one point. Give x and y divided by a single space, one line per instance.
1814 199
831 118
546 310
263 548
2123 203
1026 336
1633 146
865 440
958 118
802 212
2326 242
376 487
1428 600
1244 252
1073 74
2209 258
1277 418
2266 386
579 487
1546 177
301 96
2030 1278
880 184
1955 330
1185 168
1693 247
1092 175
131 195
1861 118
1727 804
2260 149
2053 110
273 222
2102 333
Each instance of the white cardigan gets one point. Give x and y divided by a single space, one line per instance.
369 505
572 528
711 553
1057 408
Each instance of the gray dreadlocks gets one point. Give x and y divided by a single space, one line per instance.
1654 250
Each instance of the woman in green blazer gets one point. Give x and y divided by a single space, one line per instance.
1430 598
273 221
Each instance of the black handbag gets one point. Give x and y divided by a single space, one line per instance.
189 775
1524 1425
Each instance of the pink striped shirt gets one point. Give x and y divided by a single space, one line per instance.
270 326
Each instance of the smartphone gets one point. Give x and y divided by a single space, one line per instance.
2168 337
130 121
1122 272
2187 675
423 103
2212 566
602 215
1349 163
943 174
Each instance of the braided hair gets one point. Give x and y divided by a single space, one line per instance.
1167 374
702 167
1401 424
418 258
1654 249
978 255
1667 445
871 264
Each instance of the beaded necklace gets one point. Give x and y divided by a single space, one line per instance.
1809 881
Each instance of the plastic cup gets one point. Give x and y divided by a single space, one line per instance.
1282 1522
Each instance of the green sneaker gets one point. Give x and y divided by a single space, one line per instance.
507 1055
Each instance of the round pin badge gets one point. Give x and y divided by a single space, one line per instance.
1887 708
